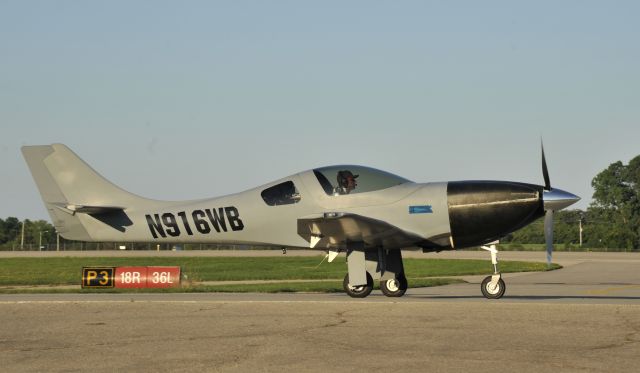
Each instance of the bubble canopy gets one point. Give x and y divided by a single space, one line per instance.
335 179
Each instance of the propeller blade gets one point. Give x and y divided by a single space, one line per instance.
548 234
545 171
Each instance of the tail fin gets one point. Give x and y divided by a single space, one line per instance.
70 189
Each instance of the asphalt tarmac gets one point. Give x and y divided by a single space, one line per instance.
585 317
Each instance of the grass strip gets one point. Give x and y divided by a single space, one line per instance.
67 270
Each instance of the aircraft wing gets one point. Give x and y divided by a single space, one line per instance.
332 230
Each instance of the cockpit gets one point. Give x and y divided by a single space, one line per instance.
341 180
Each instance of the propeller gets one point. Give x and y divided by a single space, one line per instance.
548 217
548 234
545 170
553 200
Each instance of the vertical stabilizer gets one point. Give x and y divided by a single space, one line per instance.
71 189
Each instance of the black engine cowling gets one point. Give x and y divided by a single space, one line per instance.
484 211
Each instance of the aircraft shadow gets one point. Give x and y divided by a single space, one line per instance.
117 220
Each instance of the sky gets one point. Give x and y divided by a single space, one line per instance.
193 99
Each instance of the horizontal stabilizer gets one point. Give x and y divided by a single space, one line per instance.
91 210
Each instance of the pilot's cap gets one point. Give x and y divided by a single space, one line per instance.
347 173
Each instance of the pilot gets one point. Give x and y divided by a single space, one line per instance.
346 182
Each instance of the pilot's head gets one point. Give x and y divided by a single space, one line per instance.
347 180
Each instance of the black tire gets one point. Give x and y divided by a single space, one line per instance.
358 291
395 287
495 293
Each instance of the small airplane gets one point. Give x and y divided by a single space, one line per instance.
370 214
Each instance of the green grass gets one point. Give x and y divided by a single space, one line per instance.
67 271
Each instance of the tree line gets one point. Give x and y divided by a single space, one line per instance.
612 220
14 232
42 235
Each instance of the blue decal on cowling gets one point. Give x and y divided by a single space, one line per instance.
425 209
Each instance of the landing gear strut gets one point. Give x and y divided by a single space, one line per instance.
493 287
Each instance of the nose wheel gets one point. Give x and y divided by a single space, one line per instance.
493 287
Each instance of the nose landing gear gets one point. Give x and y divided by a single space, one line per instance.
493 287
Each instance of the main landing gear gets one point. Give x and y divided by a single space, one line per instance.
380 265
493 287
395 287
357 291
